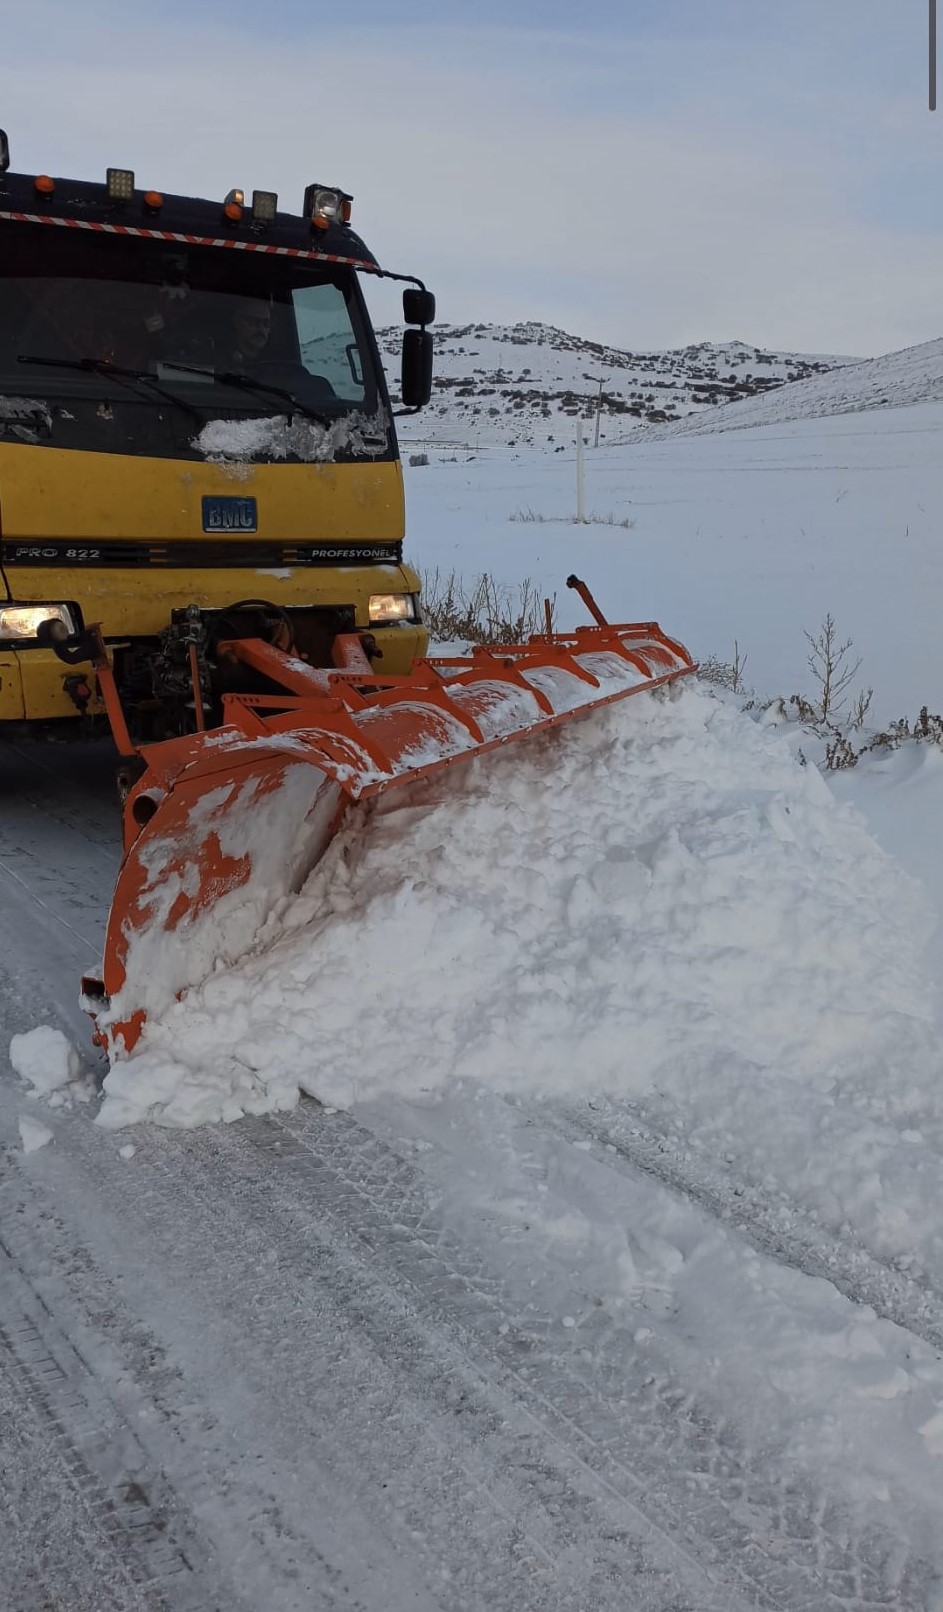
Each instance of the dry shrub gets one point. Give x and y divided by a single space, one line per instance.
484 611
725 673
533 517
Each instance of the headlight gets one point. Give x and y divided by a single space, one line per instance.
324 206
21 621
390 607
120 184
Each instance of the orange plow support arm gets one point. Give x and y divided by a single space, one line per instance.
223 824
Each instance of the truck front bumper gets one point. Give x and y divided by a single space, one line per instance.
32 686
33 681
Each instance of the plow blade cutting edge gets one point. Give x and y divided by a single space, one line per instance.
224 823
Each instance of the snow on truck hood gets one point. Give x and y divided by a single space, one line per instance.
656 900
311 441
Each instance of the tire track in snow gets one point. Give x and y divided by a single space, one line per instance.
54 1557
60 835
335 1374
122 1510
71 784
781 1542
544 1533
777 1227
55 886
213 1461
594 1473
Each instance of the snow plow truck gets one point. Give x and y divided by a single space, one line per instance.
201 545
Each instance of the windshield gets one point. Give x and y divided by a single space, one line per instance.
159 341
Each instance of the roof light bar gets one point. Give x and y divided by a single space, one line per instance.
264 206
120 183
4 152
325 205
235 198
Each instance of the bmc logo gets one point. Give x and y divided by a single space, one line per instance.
230 515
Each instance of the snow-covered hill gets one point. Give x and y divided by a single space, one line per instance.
896 380
525 384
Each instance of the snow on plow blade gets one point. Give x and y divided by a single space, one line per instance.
224 823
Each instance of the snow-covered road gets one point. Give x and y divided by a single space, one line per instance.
472 1353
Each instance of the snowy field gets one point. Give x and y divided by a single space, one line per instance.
606 1271
748 535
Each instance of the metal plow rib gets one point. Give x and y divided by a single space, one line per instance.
224 823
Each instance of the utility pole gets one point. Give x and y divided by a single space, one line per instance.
597 381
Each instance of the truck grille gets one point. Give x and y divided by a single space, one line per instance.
207 553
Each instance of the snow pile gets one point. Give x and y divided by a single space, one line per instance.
24 418
272 437
33 1135
932 1432
658 899
51 1064
900 792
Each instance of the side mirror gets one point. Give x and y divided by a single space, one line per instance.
418 307
416 383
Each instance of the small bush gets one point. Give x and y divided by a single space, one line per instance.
926 729
624 521
725 673
840 753
533 517
831 714
833 672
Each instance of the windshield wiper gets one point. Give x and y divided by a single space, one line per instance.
128 377
248 383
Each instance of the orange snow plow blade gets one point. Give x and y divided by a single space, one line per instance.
223 824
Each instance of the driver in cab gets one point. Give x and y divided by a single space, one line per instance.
251 329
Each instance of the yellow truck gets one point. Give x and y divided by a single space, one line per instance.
197 445
201 529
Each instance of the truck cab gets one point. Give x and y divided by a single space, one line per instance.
194 424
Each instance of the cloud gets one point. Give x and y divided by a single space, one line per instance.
629 189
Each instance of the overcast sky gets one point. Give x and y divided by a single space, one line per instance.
642 172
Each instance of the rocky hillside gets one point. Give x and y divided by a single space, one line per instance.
893 381
528 383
